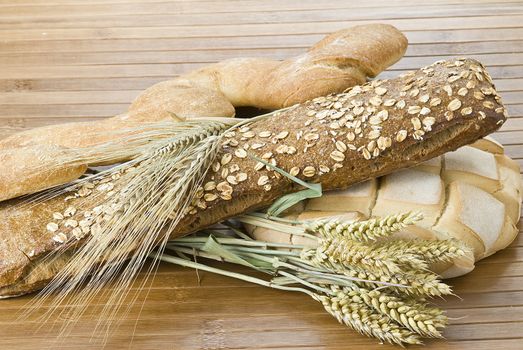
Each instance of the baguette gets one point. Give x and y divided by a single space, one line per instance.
19 177
342 59
337 140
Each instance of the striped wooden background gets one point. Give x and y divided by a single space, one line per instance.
65 60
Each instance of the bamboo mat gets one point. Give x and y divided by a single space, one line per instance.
67 60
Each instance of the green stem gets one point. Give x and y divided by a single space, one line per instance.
263 222
198 266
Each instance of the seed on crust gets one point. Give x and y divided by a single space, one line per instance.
375 120
84 192
259 166
60 237
226 158
424 111
418 134
424 98
267 187
216 167
337 156
488 104
375 101
309 171
448 90
466 111
389 102
371 146
324 169
351 136
435 102
453 78
224 187
414 92
428 121
463 91
265 134
232 180
282 149
209 186
249 134
311 136
294 171
341 146
358 110
401 104
373 134
267 155
416 123
383 114
209 197
52 227
71 223
240 153
478 95
69 211
414 109
240 177
380 91
401 135
263 180
58 216
226 196
454 105
449 115
366 154
282 135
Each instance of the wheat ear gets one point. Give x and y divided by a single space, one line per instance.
155 190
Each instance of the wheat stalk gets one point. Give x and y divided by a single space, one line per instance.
377 302
155 190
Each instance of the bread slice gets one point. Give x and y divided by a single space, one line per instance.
433 165
474 166
359 197
512 187
473 216
411 190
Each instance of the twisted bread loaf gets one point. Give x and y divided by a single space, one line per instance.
337 140
341 60
473 194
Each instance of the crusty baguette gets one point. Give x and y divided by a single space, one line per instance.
26 170
338 140
341 60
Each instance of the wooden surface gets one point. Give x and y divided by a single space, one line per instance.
65 60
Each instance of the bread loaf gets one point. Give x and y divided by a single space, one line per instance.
342 59
338 140
465 205
26 170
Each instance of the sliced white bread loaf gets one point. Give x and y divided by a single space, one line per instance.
473 194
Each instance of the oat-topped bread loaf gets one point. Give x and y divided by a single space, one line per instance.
341 60
337 140
473 194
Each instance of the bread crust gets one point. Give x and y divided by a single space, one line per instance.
341 60
308 138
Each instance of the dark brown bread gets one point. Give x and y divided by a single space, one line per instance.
339 140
